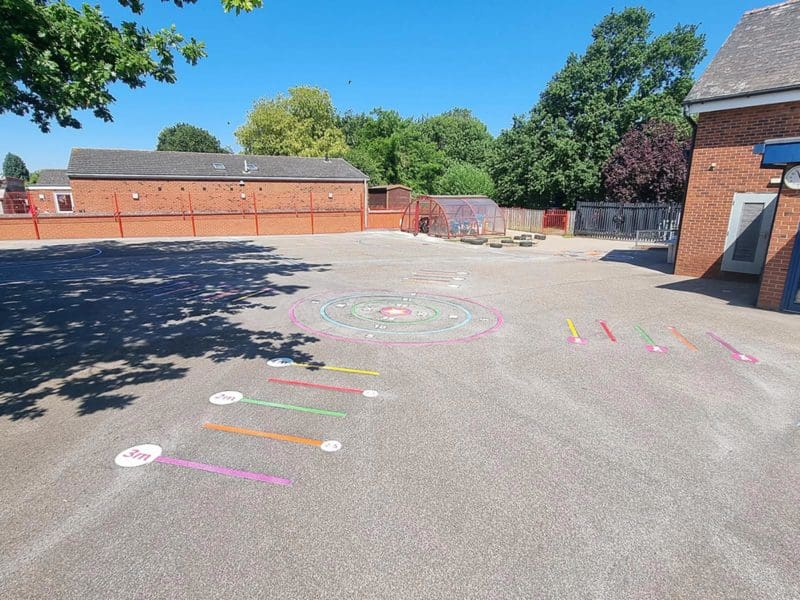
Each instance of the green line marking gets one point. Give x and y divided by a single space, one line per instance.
318 411
644 335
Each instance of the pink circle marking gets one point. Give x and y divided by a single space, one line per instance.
498 324
395 311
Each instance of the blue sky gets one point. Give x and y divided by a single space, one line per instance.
418 57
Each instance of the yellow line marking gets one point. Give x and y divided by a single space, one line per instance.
572 328
340 369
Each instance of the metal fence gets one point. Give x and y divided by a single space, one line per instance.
621 221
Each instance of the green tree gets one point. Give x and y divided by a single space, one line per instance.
304 123
34 178
626 76
183 137
56 58
14 166
462 179
459 135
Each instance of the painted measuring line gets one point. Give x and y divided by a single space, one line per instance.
444 272
607 329
144 454
320 386
651 345
682 339
327 445
442 277
575 338
251 294
735 354
230 397
283 361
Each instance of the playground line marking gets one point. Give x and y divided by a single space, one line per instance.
575 338
144 454
682 339
606 328
230 397
335 388
651 345
735 354
285 361
251 294
328 446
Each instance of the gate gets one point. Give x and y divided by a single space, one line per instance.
621 221
555 218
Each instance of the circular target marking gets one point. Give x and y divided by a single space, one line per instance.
224 398
280 361
330 446
138 456
387 318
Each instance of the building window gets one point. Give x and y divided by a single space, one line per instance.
63 202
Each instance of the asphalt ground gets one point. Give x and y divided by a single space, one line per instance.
513 465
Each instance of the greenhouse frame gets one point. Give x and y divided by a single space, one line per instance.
453 216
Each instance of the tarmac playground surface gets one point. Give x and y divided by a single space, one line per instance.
567 420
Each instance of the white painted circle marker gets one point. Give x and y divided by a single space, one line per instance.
330 446
223 398
140 455
280 361
370 393
453 316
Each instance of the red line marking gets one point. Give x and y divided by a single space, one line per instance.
316 385
610 335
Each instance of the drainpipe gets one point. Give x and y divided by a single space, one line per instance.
693 125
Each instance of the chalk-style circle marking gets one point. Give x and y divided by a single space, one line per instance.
744 357
395 319
223 398
330 446
280 361
370 393
138 456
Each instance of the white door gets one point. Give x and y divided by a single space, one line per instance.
748 232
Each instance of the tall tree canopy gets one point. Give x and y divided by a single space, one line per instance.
626 76
650 164
183 137
459 135
56 58
302 123
463 178
14 166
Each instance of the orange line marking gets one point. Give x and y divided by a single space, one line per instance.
683 340
265 434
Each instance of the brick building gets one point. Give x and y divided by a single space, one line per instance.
134 193
52 192
741 215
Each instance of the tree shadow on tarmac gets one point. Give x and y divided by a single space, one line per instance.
81 321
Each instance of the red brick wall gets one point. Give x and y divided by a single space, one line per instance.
163 209
46 205
782 241
727 139
384 219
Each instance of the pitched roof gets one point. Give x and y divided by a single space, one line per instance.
150 164
762 54
52 178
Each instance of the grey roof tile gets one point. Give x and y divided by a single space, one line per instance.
52 177
762 54
151 164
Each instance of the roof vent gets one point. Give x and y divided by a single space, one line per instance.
249 167
218 166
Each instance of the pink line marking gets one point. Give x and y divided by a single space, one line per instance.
498 315
224 470
735 354
335 388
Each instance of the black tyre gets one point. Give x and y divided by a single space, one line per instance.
506 241
526 236
495 245
475 241
517 238
525 244
539 236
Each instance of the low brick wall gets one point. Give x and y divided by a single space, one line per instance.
77 226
